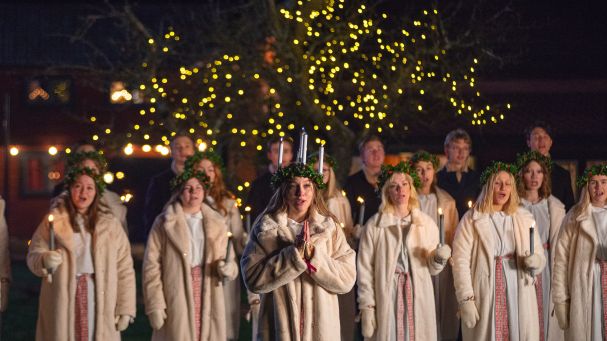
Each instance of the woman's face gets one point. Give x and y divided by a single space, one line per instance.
82 193
533 176
597 188
425 171
300 195
326 171
192 194
399 190
502 188
207 167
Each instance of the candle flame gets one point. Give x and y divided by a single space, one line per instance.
469 203
440 211
247 209
343 193
360 200
229 234
50 218
533 224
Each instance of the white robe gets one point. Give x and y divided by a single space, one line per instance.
599 215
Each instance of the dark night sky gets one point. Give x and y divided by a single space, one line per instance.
558 39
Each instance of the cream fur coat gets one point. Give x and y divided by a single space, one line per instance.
114 277
290 296
377 256
474 272
167 276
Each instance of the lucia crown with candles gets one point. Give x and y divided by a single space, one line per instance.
299 168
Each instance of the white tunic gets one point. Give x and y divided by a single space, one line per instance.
402 264
429 204
599 215
504 244
541 215
295 226
84 266
194 222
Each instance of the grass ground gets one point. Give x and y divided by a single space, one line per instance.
19 322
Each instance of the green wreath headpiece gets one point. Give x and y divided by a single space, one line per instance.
186 175
74 159
74 172
496 167
533 155
401 167
590 172
284 174
198 156
328 159
423 155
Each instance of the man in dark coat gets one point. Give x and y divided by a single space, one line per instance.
363 183
159 188
261 188
539 138
457 178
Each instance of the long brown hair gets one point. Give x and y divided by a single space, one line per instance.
545 189
218 190
278 202
90 218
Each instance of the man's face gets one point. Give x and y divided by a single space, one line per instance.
458 152
287 154
181 148
373 154
540 141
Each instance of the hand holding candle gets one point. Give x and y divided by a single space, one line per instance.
361 211
441 226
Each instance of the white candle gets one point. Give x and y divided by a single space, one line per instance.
280 152
301 141
229 246
531 242
305 149
51 243
361 211
321 158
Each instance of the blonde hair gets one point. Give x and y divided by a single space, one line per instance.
387 206
485 199
583 202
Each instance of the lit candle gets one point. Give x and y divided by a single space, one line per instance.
361 211
469 203
304 154
51 243
441 226
280 152
229 246
321 158
248 218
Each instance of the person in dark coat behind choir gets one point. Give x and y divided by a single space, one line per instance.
539 138
457 178
159 188
363 184
261 188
